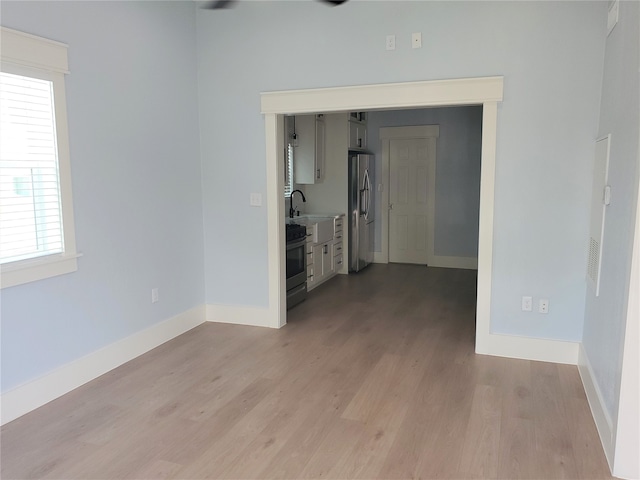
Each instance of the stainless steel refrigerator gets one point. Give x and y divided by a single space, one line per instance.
360 211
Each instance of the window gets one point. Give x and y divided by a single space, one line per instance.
37 237
30 212
289 138
288 183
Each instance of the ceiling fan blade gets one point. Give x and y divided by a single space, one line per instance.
217 4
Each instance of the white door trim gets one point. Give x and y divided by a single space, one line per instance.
393 133
486 91
627 433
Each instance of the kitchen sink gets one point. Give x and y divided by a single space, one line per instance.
322 230
320 226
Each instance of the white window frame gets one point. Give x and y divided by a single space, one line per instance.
37 57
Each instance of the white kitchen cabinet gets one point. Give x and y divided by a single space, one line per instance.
317 259
309 154
357 134
328 265
322 266
324 259
338 236
311 278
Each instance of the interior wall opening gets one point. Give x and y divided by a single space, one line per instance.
485 91
454 238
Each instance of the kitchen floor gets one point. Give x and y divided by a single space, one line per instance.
374 377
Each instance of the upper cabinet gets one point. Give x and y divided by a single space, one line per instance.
357 131
309 154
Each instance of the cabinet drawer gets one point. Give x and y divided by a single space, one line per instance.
337 249
338 223
338 238
309 248
338 261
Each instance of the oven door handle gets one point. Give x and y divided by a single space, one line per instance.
297 244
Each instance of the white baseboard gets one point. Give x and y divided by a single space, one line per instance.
29 396
528 348
597 405
468 263
239 315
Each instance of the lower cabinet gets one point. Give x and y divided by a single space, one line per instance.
324 259
311 277
320 264
328 266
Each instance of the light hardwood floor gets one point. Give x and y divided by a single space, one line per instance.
374 377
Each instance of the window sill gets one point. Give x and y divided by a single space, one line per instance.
34 269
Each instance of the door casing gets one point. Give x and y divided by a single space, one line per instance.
485 91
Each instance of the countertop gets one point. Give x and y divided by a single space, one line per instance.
311 218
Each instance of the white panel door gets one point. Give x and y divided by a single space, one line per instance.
411 163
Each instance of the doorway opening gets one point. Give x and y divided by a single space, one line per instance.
485 91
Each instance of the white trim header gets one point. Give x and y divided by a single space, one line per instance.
19 48
463 91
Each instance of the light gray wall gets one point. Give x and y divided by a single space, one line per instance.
550 54
458 153
136 182
133 117
605 316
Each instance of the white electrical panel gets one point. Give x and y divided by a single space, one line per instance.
600 198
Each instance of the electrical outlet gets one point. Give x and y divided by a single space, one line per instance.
255 199
543 305
391 42
527 304
154 295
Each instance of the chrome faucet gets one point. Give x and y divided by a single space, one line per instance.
292 210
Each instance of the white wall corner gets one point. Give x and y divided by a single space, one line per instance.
597 405
241 315
31 395
626 463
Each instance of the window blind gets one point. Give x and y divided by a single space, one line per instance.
288 184
289 136
30 207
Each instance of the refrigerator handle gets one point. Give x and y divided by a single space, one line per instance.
367 193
